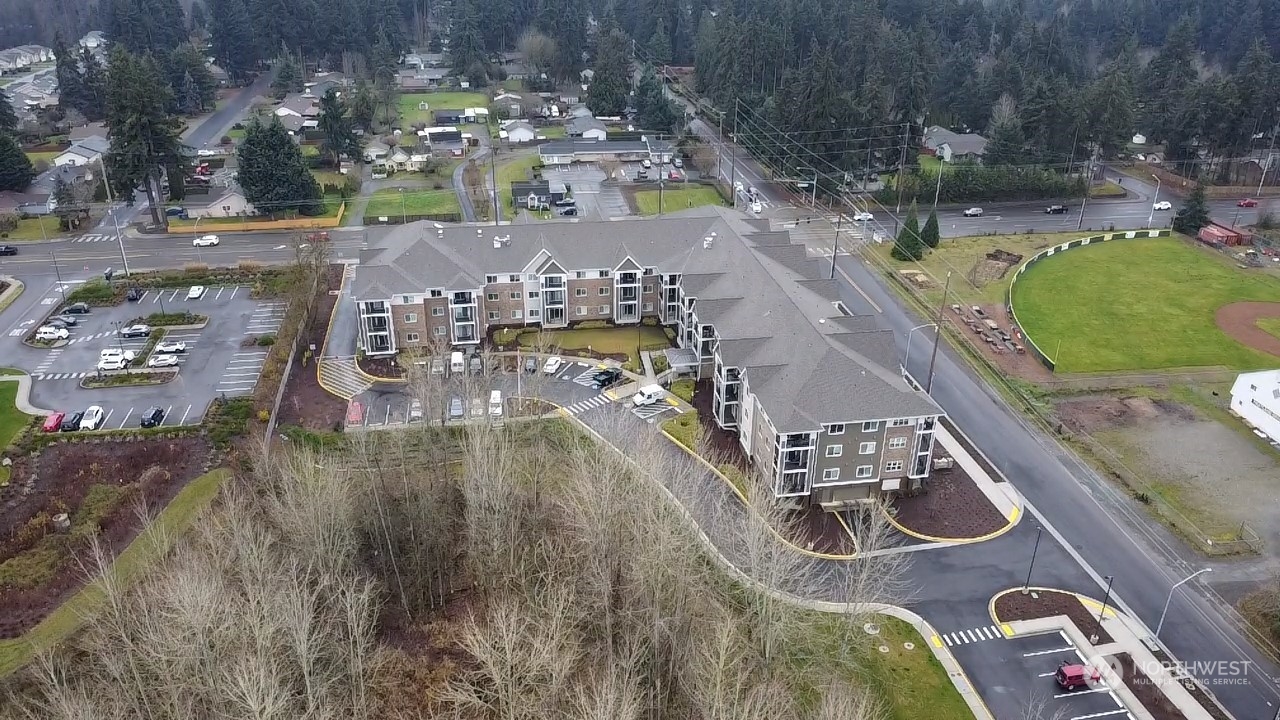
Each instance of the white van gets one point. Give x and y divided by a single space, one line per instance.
648 395
495 407
456 364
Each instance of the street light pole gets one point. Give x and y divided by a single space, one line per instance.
58 273
835 245
1151 215
111 210
937 335
938 189
1084 202
1110 579
906 359
1173 589
1026 586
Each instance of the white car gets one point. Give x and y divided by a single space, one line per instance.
92 418
552 365
646 164
205 241
1163 205
863 216
196 292
115 362
415 410
169 347
973 212
677 162
49 332
116 353
159 361
756 207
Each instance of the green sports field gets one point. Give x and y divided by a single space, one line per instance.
1142 304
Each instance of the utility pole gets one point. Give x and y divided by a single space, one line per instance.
720 146
1267 165
835 245
1085 200
493 180
111 209
58 273
902 163
937 334
937 190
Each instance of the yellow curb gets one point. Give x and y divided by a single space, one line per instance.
953 541
378 378
1085 600
1007 628
1014 514
324 386
937 641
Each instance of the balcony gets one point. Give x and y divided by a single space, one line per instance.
553 298
628 278
464 315
796 442
552 282
376 324
462 298
793 484
628 294
375 307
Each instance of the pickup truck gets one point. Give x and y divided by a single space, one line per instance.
1056 210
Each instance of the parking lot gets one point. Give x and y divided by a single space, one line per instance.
593 199
221 359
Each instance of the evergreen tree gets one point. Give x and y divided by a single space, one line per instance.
607 93
143 135
8 118
232 37
199 16
1006 145
93 87
15 169
338 128
466 44
908 246
930 235
361 108
288 78
194 88
1110 104
1194 213
659 46
67 70
273 174
653 110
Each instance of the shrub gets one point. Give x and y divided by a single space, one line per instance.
660 364
264 416
592 325
266 340
683 389
226 140
9 221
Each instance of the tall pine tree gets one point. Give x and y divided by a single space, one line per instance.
607 93
1194 213
232 37
143 135
273 174
15 169
338 128
908 246
8 118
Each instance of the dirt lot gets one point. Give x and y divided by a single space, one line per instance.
305 403
1240 321
113 476
1202 467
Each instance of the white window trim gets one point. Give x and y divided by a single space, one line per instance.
835 450
830 474
901 422
603 291
437 312
604 309
867 448
517 314
897 443
411 317
411 337
832 430
582 310
514 295
894 466
491 297
535 313
871 426
862 472
579 292
439 330
495 315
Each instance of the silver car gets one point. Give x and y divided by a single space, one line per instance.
456 411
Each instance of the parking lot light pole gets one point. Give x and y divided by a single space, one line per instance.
1110 579
111 210
58 273
1026 586
906 359
1174 589
937 334
1151 216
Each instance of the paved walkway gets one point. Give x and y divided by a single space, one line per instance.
23 397
341 377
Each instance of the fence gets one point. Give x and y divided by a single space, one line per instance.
1032 345
398 219
247 225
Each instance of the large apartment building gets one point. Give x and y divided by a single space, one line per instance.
813 392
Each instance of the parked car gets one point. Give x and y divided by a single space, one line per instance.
1056 210
160 361
531 365
437 365
170 347
756 207
71 423
68 320
8 250
53 422
973 212
93 417
564 202
48 332
134 295
476 365
570 211
646 163
135 331
415 410
175 212
1074 675
196 292
76 309
116 353
642 174
1162 205
1247 202
456 410
605 378
674 175
863 216
55 324
205 241
677 162
151 417
115 362
552 365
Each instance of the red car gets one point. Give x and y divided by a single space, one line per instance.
1247 202
53 423
673 175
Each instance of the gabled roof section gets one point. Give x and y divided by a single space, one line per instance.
628 265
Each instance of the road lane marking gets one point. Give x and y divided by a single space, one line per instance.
234 290
215 297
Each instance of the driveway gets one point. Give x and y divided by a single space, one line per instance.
595 199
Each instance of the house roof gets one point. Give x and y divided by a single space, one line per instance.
519 125
213 198
292 123
523 189
580 125
98 129
771 304
10 200
446 112
570 147
960 143
299 105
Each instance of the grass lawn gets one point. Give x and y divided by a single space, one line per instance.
329 177
1107 189
675 200
929 165
176 517
1138 304
47 156
386 203
515 170
410 114
236 134
1270 325
310 150
36 228
12 420
607 340
551 132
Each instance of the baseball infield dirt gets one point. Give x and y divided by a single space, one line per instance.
1240 322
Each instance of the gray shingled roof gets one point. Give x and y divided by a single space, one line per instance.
770 303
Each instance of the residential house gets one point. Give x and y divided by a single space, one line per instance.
84 152
398 159
422 61
220 76
1255 399
221 202
426 79
953 147
376 151
587 128
93 40
567 152
814 395
295 123
442 141
448 117
38 53
322 83
476 115
98 129
27 204
518 131
536 194
298 106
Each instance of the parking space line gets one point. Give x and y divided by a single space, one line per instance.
1101 714
215 297
1090 691
387 420
183 421
107 419
1049 652
167 411
126 418
174 295
234 290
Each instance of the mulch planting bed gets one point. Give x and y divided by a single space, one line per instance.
114 476
1152 699
950 506
1041 604
305 403
381 367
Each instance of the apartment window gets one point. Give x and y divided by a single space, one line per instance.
437 293
517 314
863 472
836 429
490 279
494 315
580 275
604 309
531 277
438 330
579 292
513 278
437 312
872 426
835 450
411 317
648 307
830 474
514 295
901 422
893 466
648 289
867 448
491 297
582 310
604 291
897 443
605 273
411 337
534 313
534 294
406 299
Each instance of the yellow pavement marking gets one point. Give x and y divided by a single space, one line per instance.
937 641
1007 628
